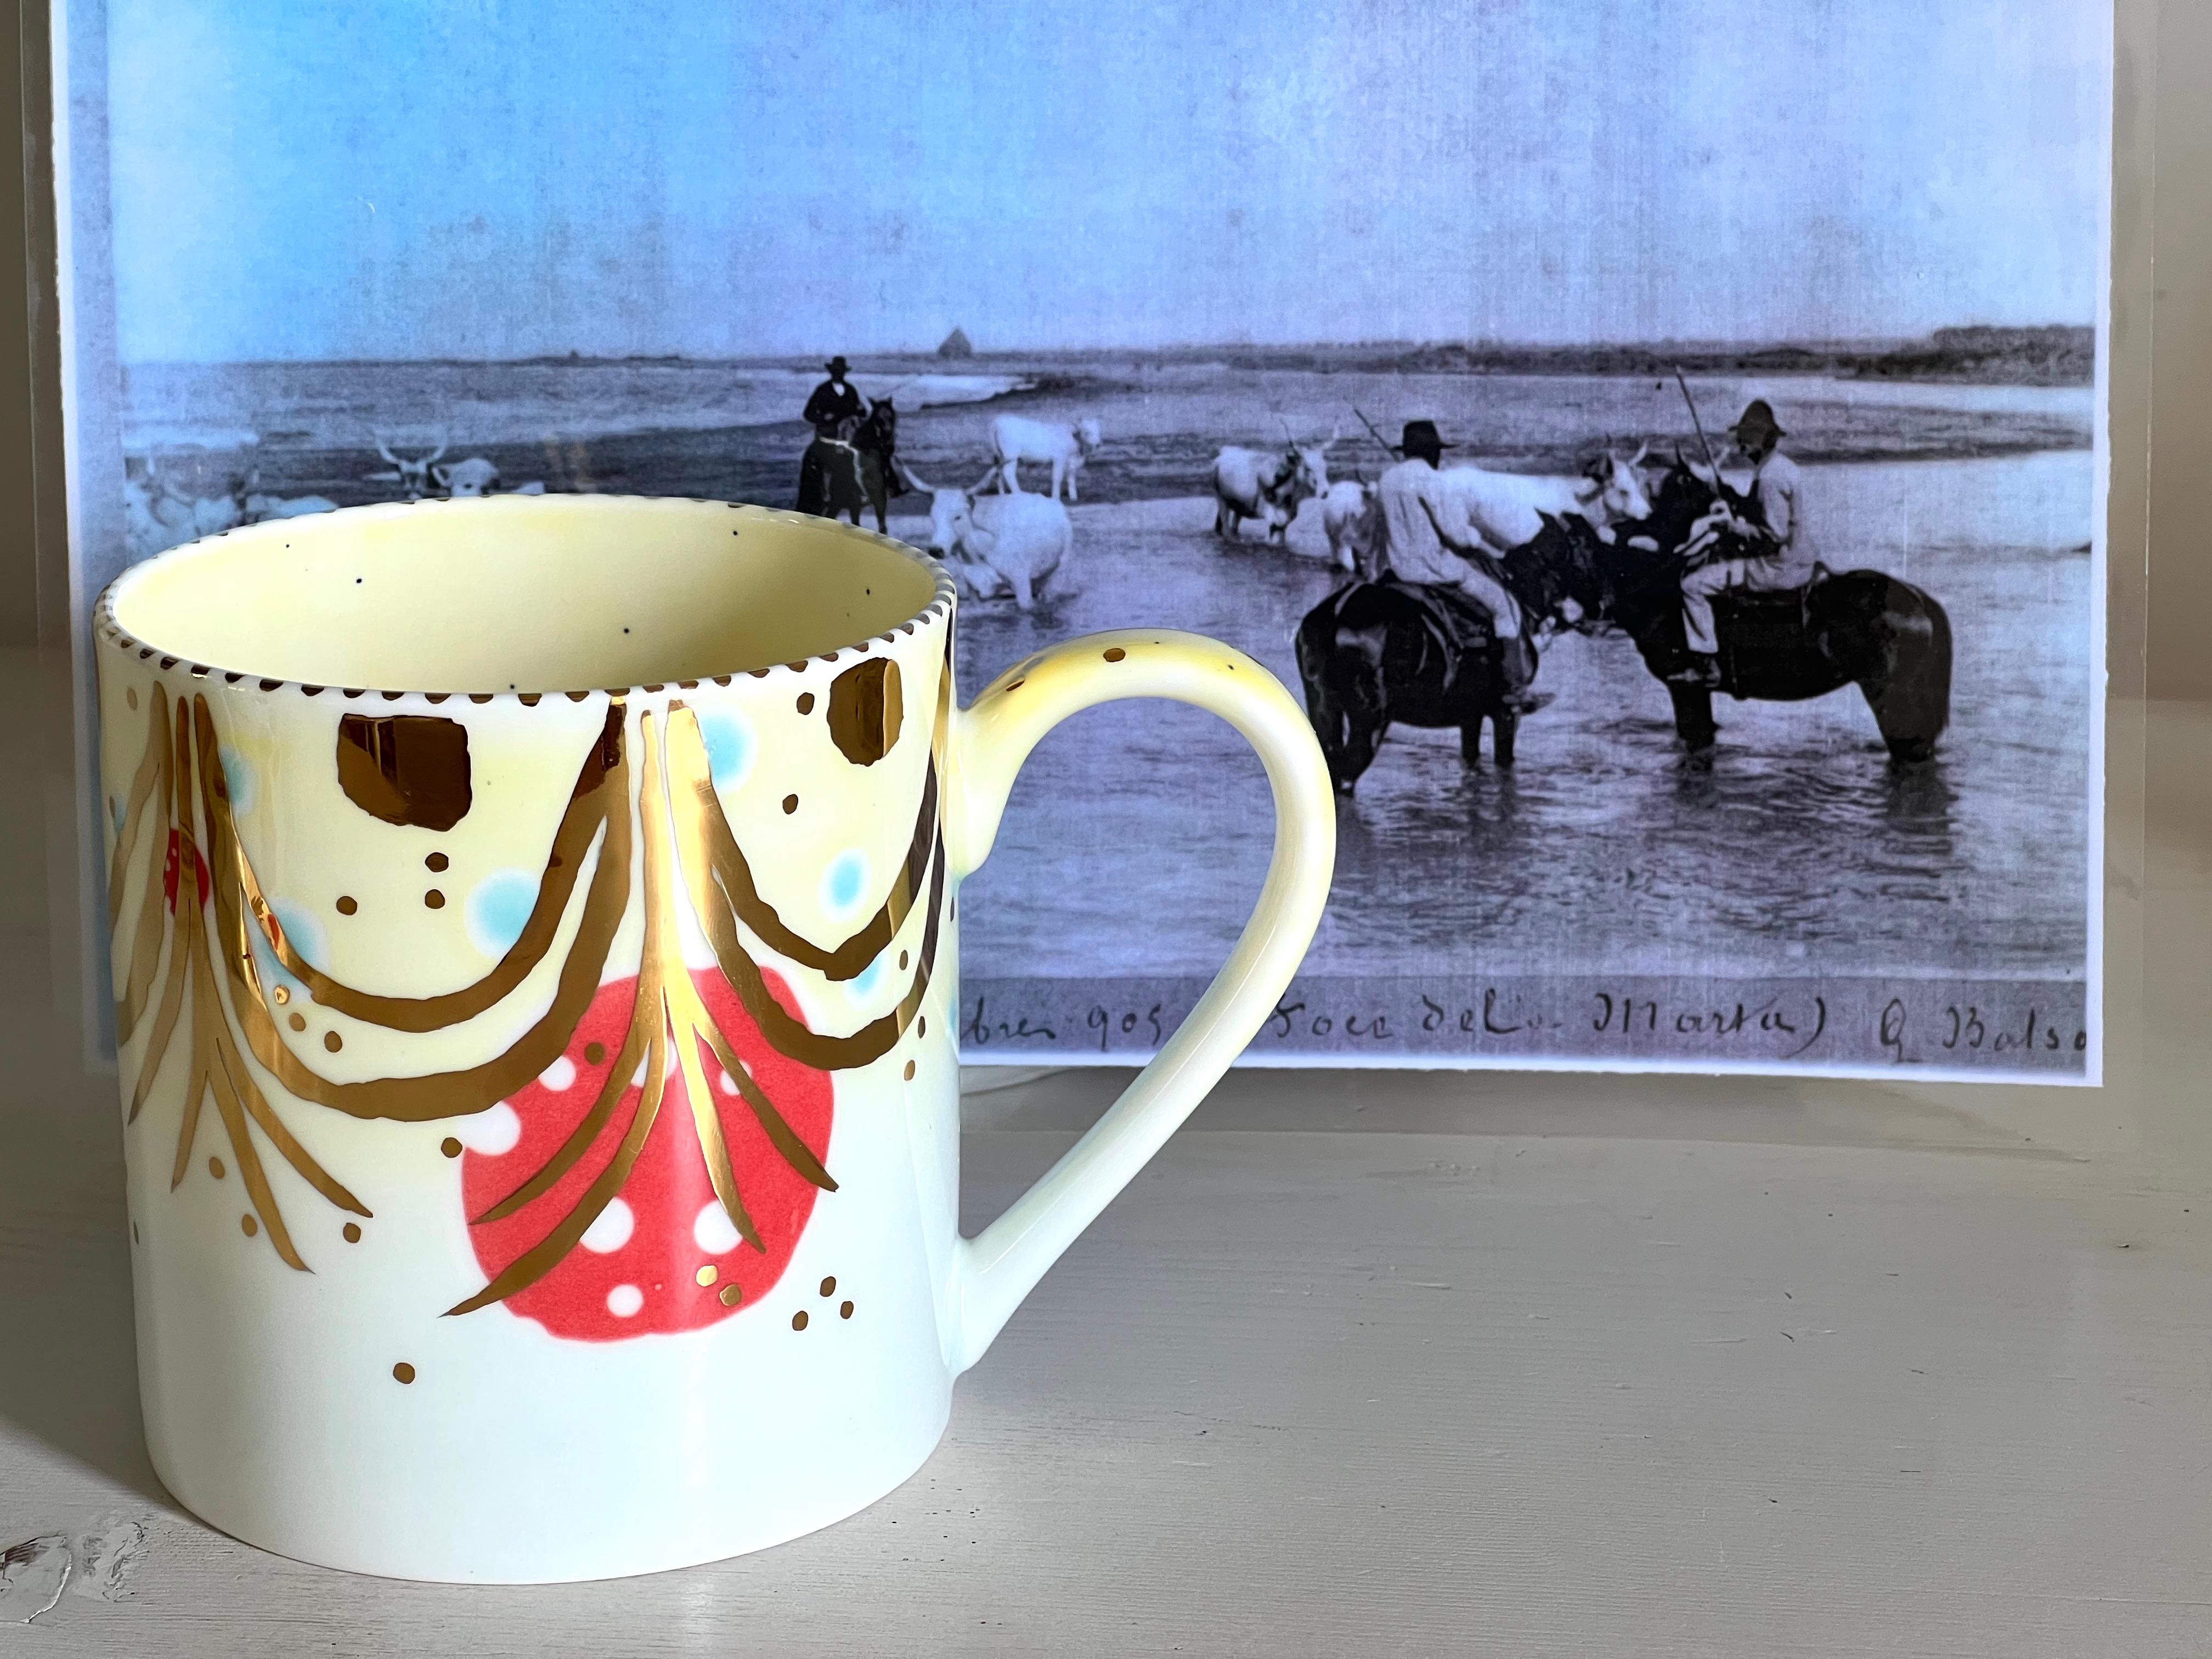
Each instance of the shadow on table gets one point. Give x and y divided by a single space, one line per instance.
67 1358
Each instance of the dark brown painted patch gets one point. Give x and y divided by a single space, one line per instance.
865 710
406 769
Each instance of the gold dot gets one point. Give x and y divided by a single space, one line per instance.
215 1168
435 862
1115 654
403 1372
708 1274
731 1295
435 899
594 1053
909 1071
296 1020
830 1287
347 905
901 961
450 1147
799 1320
921 1026
790 804
807 702
248 1225
844 1310
130 696
353 1232
282 995
333 1041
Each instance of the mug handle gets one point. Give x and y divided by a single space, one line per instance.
993 736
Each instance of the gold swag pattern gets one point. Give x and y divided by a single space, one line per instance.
200 949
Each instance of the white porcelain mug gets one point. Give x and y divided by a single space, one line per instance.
535 924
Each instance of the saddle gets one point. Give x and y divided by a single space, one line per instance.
1754 625
1455 620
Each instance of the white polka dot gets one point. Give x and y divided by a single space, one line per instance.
624 1300
493 1131
611 1231
729 1083
559 1075
713 1231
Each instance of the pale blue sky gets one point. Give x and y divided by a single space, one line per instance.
498 178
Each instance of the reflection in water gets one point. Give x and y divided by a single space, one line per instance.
1136 841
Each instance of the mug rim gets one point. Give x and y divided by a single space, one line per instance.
109 631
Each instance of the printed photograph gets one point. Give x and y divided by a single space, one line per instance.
1659 442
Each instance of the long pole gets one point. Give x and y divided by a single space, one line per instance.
1700 426
1388 448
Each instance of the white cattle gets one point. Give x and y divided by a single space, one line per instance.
213 515
254 505
1507 506
1249 484
411 475
1348 517
143 528
1016 439
466 480
990 542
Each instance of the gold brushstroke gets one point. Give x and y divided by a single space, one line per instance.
153 768
580 1138
214 1068
150 931
438 1094
540 1259
700 816
866 711
685 1014
594 796
781 1134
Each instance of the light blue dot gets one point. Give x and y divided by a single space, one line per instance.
845 880
730 746
865 982
498 906
238 776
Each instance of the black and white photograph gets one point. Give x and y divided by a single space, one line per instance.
1661 443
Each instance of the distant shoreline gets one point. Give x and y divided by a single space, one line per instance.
2054 354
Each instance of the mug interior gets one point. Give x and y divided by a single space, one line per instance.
521 593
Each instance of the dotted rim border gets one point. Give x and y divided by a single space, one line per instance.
943 597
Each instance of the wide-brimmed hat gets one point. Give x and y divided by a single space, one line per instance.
838 366
1421 437
1758 421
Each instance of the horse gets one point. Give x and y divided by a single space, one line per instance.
1375 653
1855 627
854 468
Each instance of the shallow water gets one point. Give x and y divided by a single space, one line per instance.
1136 840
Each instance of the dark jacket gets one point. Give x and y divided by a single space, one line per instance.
829 405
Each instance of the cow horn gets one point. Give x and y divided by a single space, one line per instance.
914 480
989 473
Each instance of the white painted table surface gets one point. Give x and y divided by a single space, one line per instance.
1373 1364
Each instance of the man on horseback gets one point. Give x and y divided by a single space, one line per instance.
835 412
1428 538
1784 561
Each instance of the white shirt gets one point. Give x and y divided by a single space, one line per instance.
1415 504
1775 487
